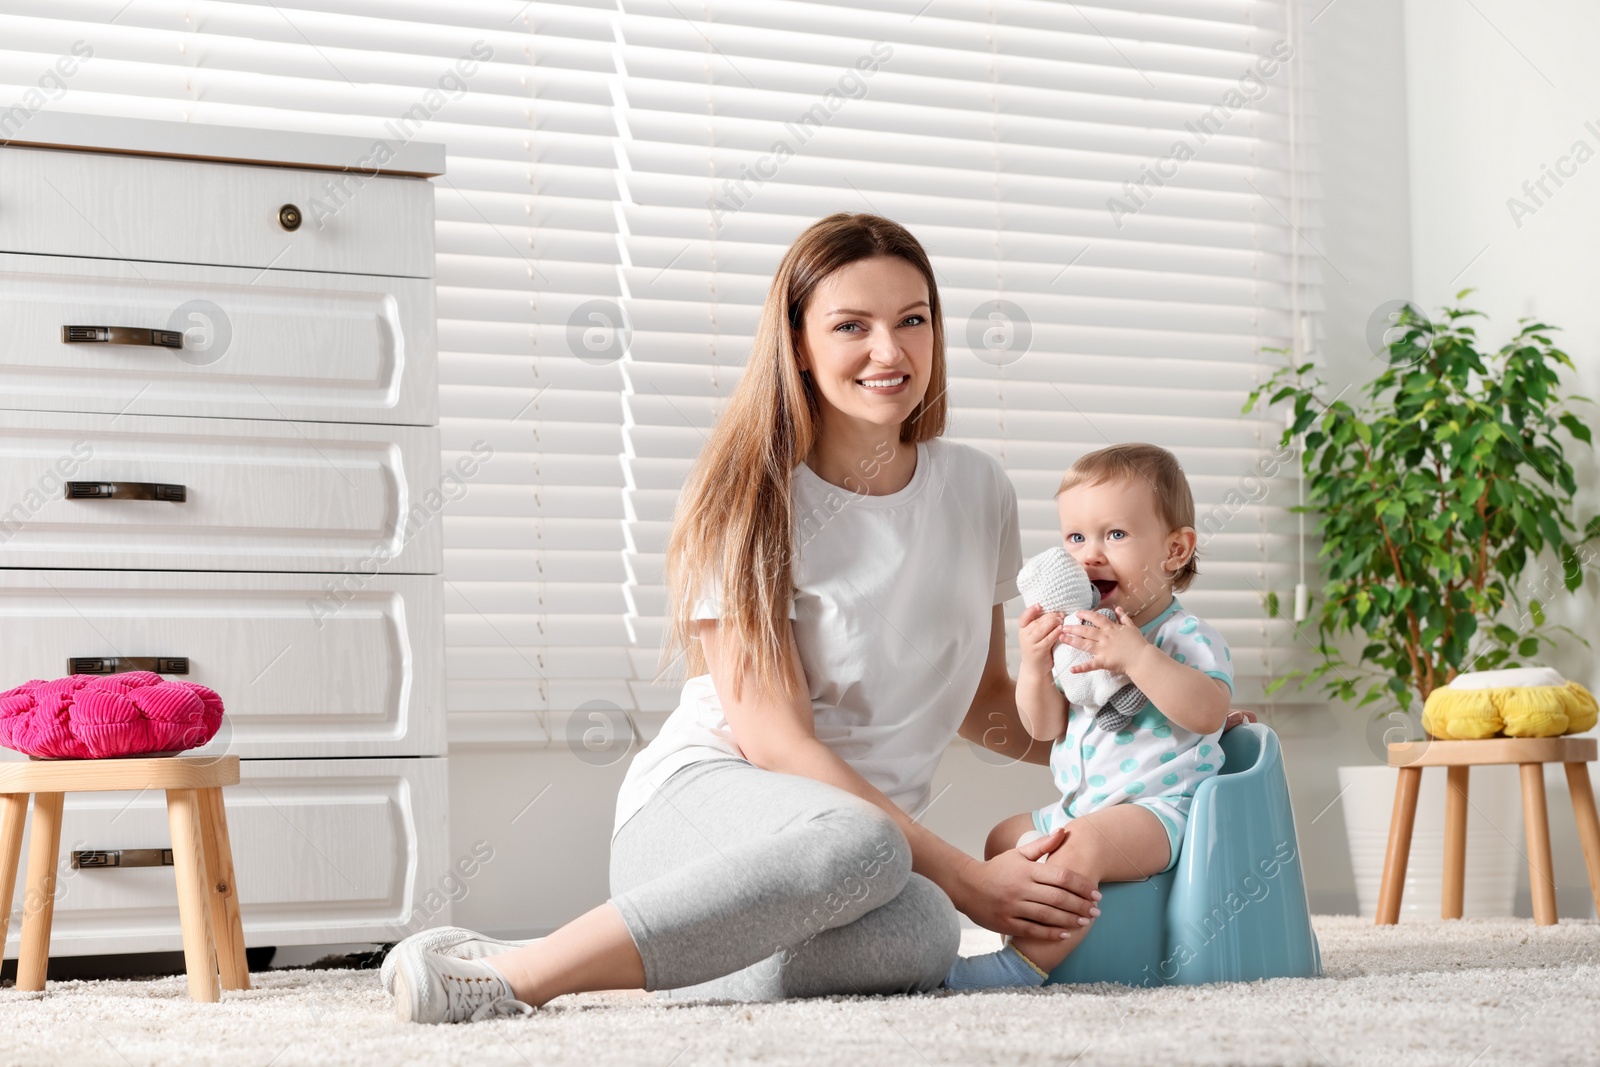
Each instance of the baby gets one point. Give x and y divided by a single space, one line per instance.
1127 516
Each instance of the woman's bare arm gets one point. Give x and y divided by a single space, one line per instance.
993 721
1011 893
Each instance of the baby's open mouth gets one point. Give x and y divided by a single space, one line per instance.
1105 585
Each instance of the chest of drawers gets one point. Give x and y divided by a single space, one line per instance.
219 459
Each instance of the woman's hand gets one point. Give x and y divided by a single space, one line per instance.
1017 895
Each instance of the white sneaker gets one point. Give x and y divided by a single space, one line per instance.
433 988
455 941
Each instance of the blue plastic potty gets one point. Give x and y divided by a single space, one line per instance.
1233 908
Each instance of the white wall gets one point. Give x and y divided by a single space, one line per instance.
1428 119
1492 105
1497 91
550 865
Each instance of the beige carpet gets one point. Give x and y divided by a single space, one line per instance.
1461 994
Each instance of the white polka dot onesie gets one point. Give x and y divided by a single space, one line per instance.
1154 762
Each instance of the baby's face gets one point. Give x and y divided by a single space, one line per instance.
1115 531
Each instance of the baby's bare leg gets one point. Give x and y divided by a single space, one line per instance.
1125 843
1003 838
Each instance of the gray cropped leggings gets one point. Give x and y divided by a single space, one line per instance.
743 884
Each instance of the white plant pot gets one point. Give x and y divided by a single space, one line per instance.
1494 839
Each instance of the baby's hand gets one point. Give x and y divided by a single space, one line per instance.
1112 646
1038 635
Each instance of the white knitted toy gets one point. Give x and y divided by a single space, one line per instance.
1057 582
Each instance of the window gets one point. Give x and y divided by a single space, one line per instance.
1109 197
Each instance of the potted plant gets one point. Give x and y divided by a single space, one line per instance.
1443 491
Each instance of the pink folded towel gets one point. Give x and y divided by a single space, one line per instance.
88 716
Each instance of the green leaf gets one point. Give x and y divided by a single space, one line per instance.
1549 527
1395 471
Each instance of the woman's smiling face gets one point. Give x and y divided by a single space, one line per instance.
867 341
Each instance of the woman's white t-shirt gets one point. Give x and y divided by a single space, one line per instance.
893 604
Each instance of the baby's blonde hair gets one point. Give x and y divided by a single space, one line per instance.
1155 467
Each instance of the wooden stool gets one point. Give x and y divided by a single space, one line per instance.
208 905
1531 754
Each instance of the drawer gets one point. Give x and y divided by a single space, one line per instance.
255 344
55 202
324 852
306 666
258 496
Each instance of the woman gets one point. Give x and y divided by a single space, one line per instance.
836 573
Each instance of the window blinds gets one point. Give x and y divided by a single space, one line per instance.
1105 193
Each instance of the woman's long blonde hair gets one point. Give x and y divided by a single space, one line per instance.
735 520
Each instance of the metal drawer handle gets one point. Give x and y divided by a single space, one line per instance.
127 491
91 859
120 335
118 664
